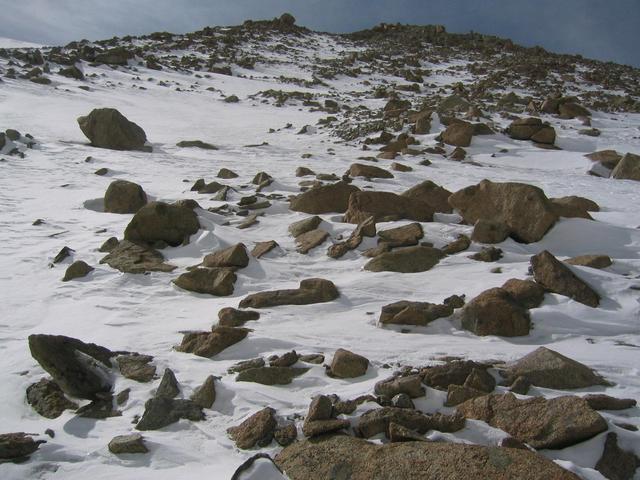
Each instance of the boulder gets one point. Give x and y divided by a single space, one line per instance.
556 423
324 199
346 364
527 293
129 257
410 385
258 429
457 394
208 344
226 173
549 369
406 260
608 158
572 110
368 171
628 168
556 277
133 443
460 244
377 421
108 128
458 134
574 202
205 394
413 313
114 56
136 367
569 208
262 248
80 369
591 261
124 197
495 312
523 208
48 399
489 231
531 128
196 144
451 373
17 446
385 206
342 456
160 412
303 226
235 256
366 228
309 240
77 269
431 194
487 254
231 317
161 222
615 463
169 387
271 375
259 466
311 290
405 236
212 281
600 401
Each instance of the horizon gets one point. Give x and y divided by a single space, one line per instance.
578 27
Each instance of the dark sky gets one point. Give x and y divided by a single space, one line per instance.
602 29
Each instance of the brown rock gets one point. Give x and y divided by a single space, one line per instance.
17 446
347 364
124 197
213 281
262 248
458 134
258 429
489 231
385 206
460 244
377 421
324 199
205 394
271 375
136 367
556 277
405 236
208 344
231 317
129 257
309 240
77 269
592 261
410 385
628 168
108 128
406 260
303 226
233 257
615 463
161 222
48 399
311 290
457 394
133 443
451 373
600 401
495 312
541 423
609 158
527 293
368 171
431 194
413 313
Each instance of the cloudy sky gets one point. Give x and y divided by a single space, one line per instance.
602 29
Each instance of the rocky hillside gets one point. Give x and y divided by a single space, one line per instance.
263 252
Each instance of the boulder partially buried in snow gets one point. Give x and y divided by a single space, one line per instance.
628 168
495 312
311 290
432 194
549 369
123 196
386 206
324 199
556 277
208 344
406 260
108 128
161 222
343 456
524 209
541 423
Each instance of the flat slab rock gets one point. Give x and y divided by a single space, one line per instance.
311 290
406 260
556 423
340 456
271 375
208 344
129 257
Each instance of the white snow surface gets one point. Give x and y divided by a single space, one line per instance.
146 313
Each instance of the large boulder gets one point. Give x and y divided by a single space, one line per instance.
406 260
377 421
48 399
271 375
108 128
454 372
615 463
311 290
432 194
532 129
235 256
556 423
386 206
628 168
556 277
527 293
124 197
258 429
208 344
347 364
410 385
495 312
405 236
324 199
524 209
17 446
212 281
80 369
161 222
458 134
368 171
549 369
342 456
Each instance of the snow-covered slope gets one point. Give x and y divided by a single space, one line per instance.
55 182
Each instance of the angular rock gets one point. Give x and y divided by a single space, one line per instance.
366 228
169 387
368 171
556 277
489 231
17 446
77 269
79 368
406 260
231 317
592 261
324 199
480 379
262 248
413 313
208 344
285 360
410 385
235 256
460 244
48 399
286 434
108 128
457 394
525 209
315 428
495 312
451 373
304 226
487 254
309 240
343 456
133 443
136 367
129 257
196 144
377 421
458 134
160 412
385 206
213 281
124 197
556 423
161 222
258 429
608 158
226 173
549 369
527 293
311 290
271 375
347 364
628 168
205 394
246 365
405 236
615 463
432 194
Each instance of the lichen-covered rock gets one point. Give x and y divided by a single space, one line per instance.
108 128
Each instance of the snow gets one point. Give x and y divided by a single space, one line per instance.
146 313
12 43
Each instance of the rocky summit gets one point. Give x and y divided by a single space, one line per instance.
259 251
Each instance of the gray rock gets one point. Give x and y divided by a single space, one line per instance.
271 375
77 269
169 387
108 128
205 394
132 443
161 222
124 197
160 412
